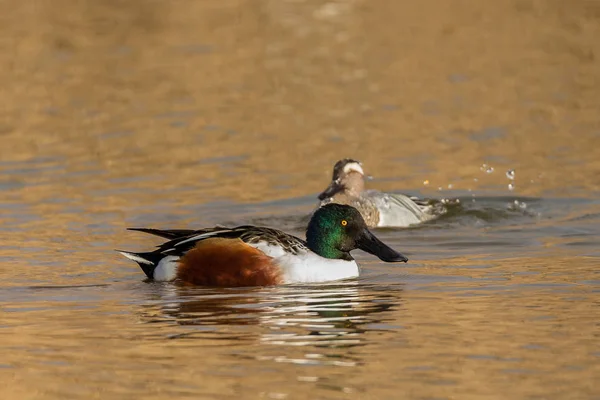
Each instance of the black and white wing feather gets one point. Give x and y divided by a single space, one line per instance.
182 240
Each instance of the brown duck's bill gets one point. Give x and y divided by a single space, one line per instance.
369 243
331 190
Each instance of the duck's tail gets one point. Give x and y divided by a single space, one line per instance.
146 261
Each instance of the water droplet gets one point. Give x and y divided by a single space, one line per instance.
487 169
518 205
426 182
440 188
510 174
449 186
511 186
476 180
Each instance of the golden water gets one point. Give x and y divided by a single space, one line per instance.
177 114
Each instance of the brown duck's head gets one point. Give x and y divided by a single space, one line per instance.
348 176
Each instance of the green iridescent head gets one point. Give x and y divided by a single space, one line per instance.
336 229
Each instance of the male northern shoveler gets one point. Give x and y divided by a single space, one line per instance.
378 209
258 256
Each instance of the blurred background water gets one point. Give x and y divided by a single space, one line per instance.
183 114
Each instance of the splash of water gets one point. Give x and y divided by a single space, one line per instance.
488 169
510 174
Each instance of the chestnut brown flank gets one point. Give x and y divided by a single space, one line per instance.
228 262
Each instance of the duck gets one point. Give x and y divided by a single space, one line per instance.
378 209
251 255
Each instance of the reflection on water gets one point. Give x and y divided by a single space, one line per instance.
331 316
195 113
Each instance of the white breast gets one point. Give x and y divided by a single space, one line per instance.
308 267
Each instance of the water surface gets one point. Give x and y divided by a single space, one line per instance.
189 114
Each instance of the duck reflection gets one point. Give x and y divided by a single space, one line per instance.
322 315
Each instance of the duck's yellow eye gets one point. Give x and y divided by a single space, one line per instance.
344 222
